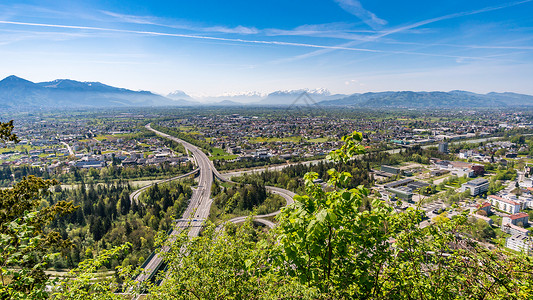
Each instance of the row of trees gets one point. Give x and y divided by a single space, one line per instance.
291 177
9 174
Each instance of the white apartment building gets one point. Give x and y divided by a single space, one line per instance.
506 205
520 243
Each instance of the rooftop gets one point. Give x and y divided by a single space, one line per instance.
517 228
484 204
478 181
503 200
518 216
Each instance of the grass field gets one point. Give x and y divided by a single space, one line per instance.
220 154
318 140
19 148
112 137
294 139
458 182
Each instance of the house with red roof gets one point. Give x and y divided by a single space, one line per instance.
506 205
485 206
517 219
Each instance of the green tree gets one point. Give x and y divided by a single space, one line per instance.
233 263
6 132
81 284
331 240
25 240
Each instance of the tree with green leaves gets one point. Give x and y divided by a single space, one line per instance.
331 242
25 241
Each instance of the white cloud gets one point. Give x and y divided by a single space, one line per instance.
237 40
239 29
355 8
150 20
354 82
412 26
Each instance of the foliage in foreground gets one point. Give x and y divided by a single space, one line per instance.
328 245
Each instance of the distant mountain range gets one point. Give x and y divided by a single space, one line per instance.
65 93
453 99
16 92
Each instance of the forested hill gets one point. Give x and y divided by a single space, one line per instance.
453 99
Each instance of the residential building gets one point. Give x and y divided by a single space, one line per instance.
525 200
516 219
476 186
485 207
513 229
520 243
486 219
506 205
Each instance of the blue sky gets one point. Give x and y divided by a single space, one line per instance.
230 47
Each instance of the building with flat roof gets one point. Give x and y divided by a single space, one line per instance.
480 217
401 192
389 169
398 183
513 229
520 243
477 186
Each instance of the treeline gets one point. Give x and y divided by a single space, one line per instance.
412 154
290 178
106 218
110 173
8 174
222 165
242 199
105 174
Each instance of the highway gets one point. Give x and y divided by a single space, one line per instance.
199 204
287 195
135 195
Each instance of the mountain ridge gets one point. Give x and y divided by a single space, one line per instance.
435 99
16 92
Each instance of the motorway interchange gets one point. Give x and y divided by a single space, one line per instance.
200 203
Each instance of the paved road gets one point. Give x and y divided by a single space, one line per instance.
228 175
287 195
70 151
199 203
135 195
